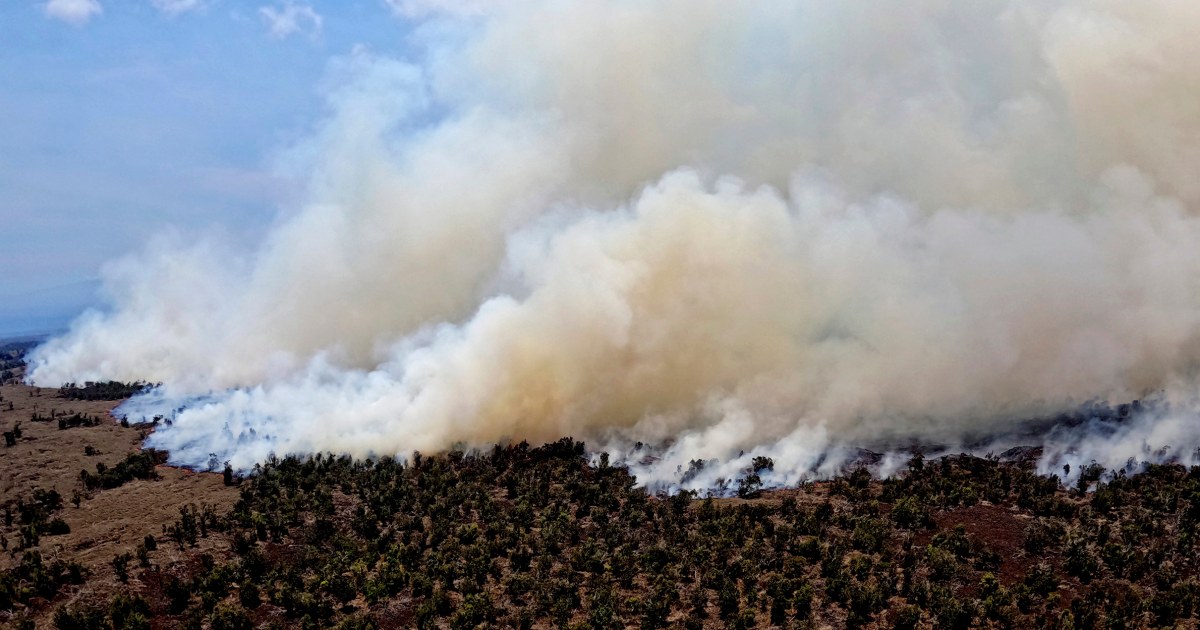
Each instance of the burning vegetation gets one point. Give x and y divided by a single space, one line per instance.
539 537
551 536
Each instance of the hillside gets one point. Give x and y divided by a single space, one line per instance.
56 551
541 537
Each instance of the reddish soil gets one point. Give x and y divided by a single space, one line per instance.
1001 529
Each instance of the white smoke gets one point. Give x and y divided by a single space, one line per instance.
719 227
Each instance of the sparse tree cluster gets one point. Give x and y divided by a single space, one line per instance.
107 390
139 465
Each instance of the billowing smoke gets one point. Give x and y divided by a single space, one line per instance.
726 229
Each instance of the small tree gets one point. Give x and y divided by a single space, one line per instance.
749 486
120 565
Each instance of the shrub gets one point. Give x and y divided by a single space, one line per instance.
120 565
79 618
128 612
910 513
229 617
248 595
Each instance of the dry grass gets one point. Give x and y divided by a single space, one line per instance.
107 522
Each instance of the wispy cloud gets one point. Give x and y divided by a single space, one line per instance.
421 8
175 7
76 12
289 18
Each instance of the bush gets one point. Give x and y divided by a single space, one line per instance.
1041 580
248 595
907 618
1041 534
128 612
120 565
229 617
910 513
178 595
79 618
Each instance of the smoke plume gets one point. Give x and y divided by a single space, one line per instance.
727 229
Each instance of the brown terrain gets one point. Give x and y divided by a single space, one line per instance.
106 522
541 537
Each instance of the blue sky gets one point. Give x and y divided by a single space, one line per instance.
121 118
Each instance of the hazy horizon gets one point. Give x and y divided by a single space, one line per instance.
123 120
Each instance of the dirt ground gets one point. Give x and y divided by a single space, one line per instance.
107 522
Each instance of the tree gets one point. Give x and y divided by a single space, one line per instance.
120 565
749 486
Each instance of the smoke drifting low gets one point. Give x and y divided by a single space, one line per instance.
716 227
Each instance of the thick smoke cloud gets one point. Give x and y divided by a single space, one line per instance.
716 227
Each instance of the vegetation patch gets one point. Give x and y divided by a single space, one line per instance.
139 465
107 390
538 537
